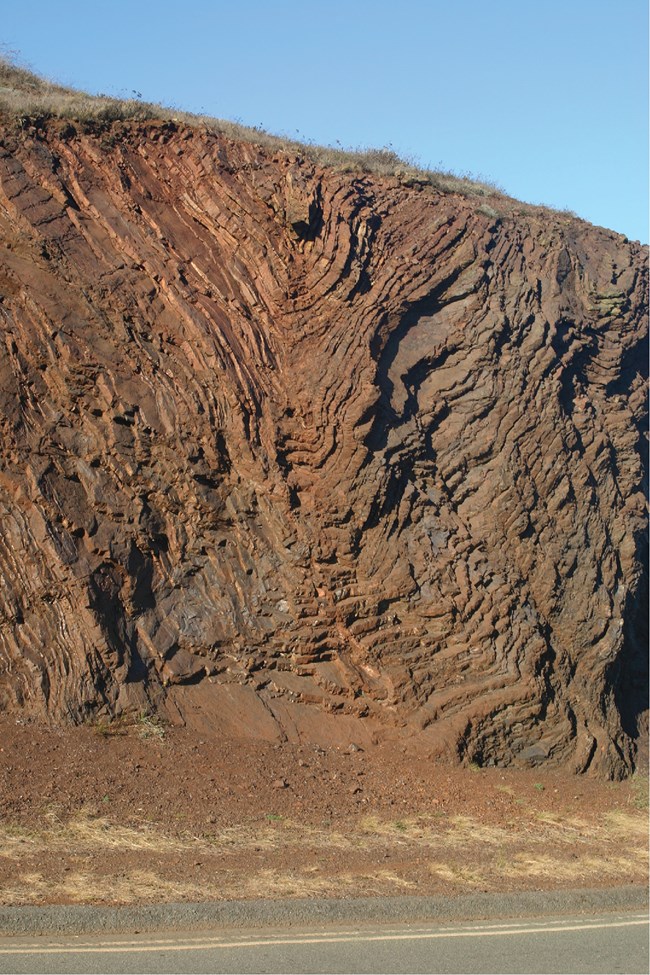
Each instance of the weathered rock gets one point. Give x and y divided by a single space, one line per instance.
285 448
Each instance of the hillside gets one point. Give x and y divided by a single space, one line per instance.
295 452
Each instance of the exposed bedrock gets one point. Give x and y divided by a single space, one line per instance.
285 449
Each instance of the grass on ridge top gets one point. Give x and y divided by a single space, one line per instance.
26 97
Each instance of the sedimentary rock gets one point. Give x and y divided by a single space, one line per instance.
279 441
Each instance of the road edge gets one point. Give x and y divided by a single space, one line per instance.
87 919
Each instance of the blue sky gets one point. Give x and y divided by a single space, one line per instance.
547 98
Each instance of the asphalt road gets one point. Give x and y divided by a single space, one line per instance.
605 943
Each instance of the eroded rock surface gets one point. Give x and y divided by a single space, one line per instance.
287 450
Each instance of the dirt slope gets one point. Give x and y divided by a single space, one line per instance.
136 813
292 453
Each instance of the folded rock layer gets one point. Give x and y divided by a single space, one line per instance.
288 451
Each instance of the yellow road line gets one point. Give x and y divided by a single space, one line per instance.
337 938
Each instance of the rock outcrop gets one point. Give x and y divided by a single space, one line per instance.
280 442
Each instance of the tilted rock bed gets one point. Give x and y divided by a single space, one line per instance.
307 455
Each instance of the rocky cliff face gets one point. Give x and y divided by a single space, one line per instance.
284 448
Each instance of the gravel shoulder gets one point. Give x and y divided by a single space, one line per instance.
70 919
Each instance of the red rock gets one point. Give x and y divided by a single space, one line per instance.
294 452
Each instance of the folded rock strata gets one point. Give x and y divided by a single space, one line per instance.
285 447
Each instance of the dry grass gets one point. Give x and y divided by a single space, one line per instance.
279 883
31 100
618 867
640 791
89 859
27 96
84 833
145 724
149 886
460 875
629 824
133 887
